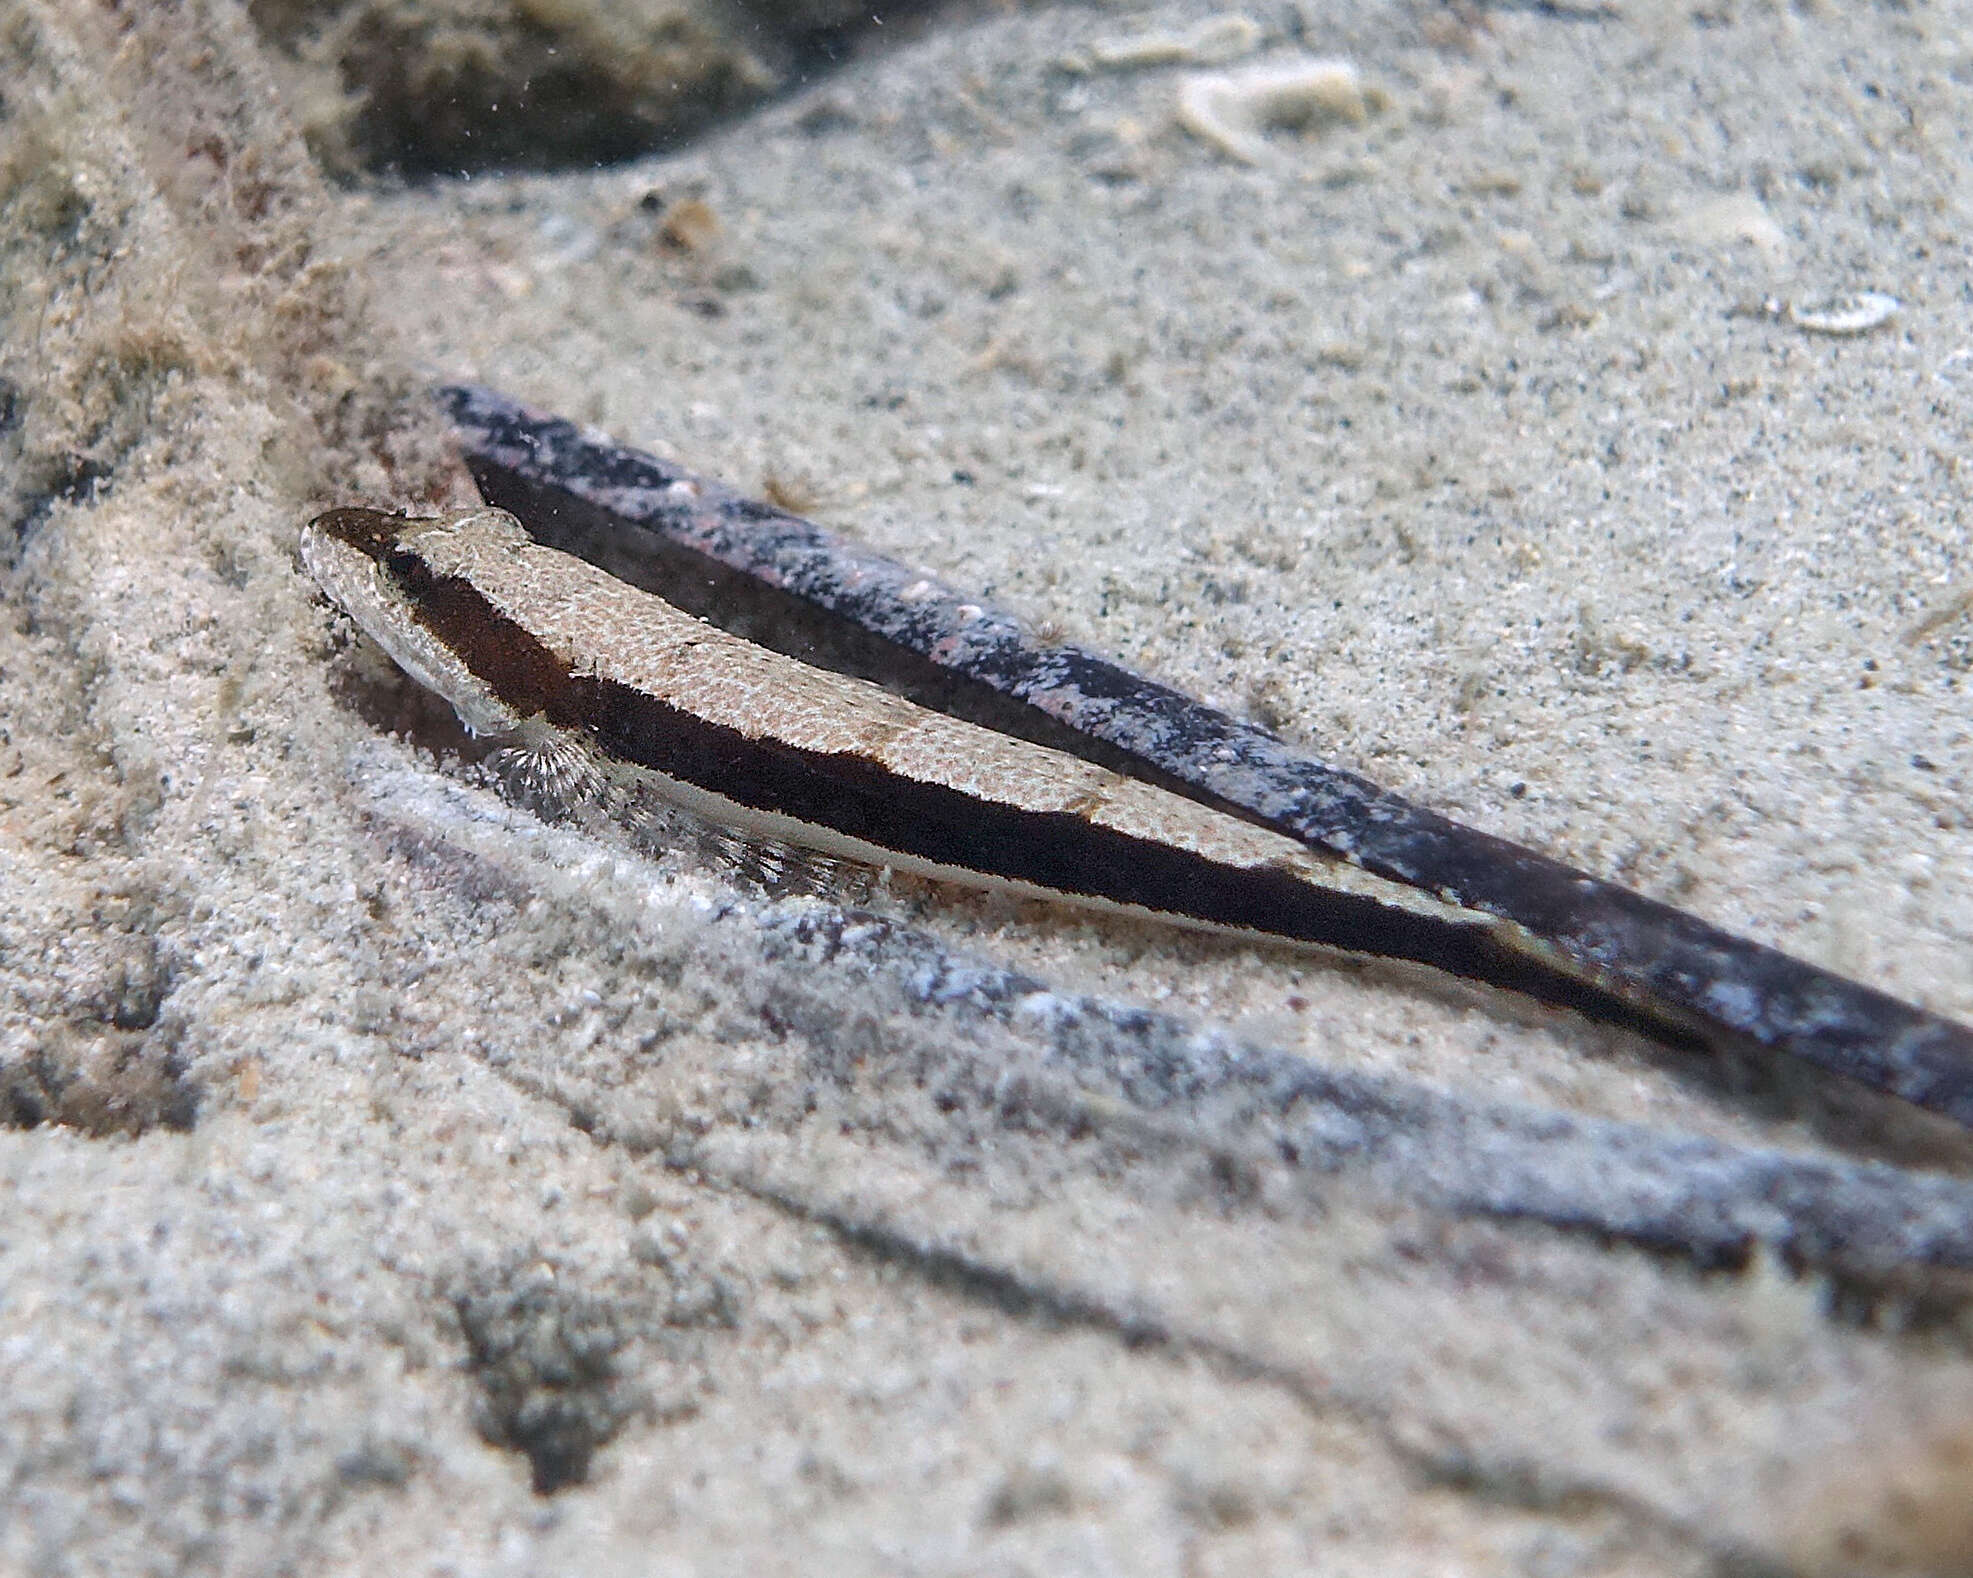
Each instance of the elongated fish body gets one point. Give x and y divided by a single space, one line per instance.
544 650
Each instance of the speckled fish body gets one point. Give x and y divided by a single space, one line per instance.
533 645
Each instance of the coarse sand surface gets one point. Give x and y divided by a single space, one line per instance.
394 1183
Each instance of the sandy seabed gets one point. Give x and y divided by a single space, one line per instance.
395 1184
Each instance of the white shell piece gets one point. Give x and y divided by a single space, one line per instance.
1234 110
1845 315
1213 42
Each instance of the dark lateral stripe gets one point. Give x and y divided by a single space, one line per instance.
563 478
1059 851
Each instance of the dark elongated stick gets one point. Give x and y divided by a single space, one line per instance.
659 525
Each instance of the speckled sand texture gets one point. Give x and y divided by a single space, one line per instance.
396 1185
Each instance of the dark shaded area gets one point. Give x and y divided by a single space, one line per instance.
382 1465
110 1068
86 431
75 479
547 1361
437 88
535 104
562 1368
101 1084
993 1286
